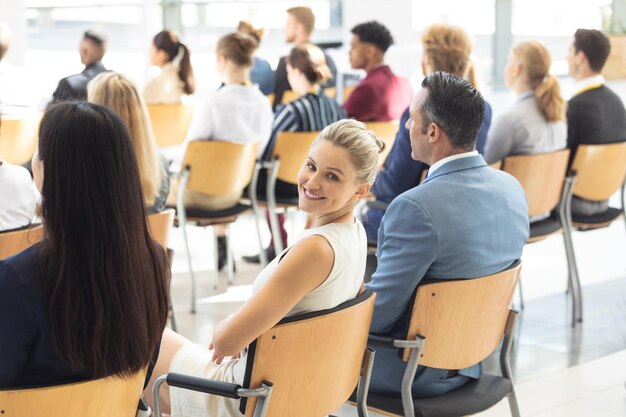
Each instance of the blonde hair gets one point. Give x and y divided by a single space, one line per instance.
448 49
120 94
361 143
535 61
305 16
247 27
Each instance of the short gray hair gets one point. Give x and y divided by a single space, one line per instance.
360 142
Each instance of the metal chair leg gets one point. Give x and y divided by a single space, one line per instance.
271 206
574 282
173 318
521 295
513 405
230 264
216 260
182 221
252 190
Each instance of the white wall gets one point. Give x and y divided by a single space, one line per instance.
12 13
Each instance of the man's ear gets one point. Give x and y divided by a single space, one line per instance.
434 132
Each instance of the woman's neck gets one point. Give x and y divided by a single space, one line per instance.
317 220
236 76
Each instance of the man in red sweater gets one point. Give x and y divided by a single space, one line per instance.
381 95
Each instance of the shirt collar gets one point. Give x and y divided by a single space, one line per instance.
447 159
588 83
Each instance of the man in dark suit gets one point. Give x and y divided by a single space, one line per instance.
92 49
465 220
595 114
381 95
300 25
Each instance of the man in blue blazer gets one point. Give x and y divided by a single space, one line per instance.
465 220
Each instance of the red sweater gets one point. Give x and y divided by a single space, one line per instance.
379 97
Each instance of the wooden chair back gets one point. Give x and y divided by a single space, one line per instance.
289 96
463 320
160 225
496 165
312 360
112 396
170 123
347 91
600 170
386 131
16 241
541 176
292 148
18 139
331 92
219 168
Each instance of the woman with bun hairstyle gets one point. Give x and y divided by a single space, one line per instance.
237 112
261 73
119 93
91 300
338 172
312 111
176 76
536 122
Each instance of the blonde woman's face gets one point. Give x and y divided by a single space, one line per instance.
327 181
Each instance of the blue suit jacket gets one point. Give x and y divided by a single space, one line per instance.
466 220
402 173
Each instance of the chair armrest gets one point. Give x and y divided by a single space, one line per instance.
208 386
382 341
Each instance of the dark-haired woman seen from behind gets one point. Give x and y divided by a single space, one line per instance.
90 300
176 76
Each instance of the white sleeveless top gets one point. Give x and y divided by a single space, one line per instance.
349 244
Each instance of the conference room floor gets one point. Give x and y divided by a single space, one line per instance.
554 365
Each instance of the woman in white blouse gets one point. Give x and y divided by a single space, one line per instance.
175 78
237 112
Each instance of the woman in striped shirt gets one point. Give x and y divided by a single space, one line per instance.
313 111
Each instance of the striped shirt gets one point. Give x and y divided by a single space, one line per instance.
309 113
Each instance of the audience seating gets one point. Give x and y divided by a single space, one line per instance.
496 165
546 186
304 363
600 172
347 91
290 152
18 139
107 397
290 95
213 168
456 324
170 123
387 132
15 241
160 225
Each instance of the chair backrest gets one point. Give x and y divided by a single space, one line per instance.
16 241
312 360
289 96
347 91
496 165
112 396
170 123
331 92
386 131
600 170
219 168
292 148
463 320
160 225
18 139
541 176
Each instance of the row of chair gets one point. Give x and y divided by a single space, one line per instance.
285 377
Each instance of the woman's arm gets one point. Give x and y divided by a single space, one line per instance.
304 268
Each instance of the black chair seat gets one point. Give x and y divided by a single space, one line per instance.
606 217
544 227
198 213
471 398
280 200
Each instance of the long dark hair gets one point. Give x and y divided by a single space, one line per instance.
106 279
168 41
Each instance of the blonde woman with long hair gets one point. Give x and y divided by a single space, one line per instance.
536 122
120 94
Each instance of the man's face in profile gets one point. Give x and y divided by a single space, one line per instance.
89 51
